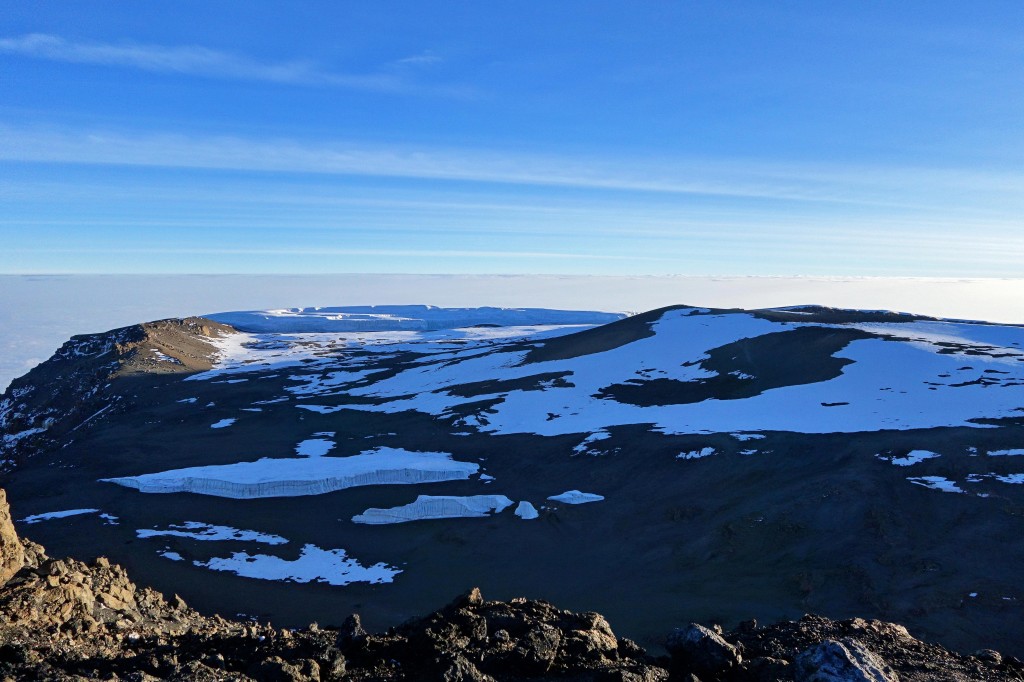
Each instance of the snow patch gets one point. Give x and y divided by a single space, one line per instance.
314 447
223 423
314 564
525 510
909 459
696 454
936 483
436 507
47 516
584 446
197 530
576 497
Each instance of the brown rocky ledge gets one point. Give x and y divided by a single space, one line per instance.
62 619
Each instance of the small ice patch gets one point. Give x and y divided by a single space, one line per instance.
314 564
911 458
252 409
223 423
973 594
197 530
163 357
187 400
110 519
173 556
1007 478
322 409
936 483
576 497
744 436
314 447
486 477
584 446
696 454
436 507
1018 452
526 511
47 516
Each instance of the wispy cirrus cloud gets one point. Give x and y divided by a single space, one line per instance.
201 61
979 192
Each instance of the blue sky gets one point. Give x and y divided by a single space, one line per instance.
861 138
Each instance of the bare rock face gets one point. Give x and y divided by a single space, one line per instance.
842 661
12 555
74 387
702 650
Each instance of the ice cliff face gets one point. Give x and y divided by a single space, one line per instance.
436 507
293 477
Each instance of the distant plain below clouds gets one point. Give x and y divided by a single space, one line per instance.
41 312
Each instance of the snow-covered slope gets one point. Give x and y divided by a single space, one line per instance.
862 460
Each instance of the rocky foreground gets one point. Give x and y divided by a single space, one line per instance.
62 619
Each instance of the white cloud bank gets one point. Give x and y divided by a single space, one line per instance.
917 188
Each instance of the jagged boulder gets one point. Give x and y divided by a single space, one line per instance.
12 554
842 661
702 650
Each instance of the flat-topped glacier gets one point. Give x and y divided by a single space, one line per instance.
436 507
401 317
293 477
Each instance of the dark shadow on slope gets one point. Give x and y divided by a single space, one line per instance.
827 315
749 367
599 339
76 385
536 382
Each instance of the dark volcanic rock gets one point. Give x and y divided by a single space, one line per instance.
62 619
702 650
71 388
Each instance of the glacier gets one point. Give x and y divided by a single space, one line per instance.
436 507
294 477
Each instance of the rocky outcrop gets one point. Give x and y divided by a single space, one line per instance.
75 386
12 555
62 619
702 650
